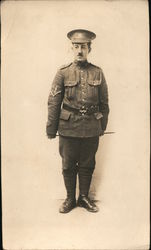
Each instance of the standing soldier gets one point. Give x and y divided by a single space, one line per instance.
78 109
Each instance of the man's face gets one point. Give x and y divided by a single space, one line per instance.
80 51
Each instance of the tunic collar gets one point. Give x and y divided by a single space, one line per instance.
82 64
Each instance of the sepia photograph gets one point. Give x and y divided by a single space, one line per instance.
75 124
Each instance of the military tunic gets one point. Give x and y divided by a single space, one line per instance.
78 86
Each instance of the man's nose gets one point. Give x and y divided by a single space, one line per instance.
79 49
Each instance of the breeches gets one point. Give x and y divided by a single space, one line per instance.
78 154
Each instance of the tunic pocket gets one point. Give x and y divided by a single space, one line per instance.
65 115
93 86
94 82
70 89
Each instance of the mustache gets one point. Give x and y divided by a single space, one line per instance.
80 54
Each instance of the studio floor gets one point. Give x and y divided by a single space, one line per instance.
79 229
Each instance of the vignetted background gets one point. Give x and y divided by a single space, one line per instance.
34 46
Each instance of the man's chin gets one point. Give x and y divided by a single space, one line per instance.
80 59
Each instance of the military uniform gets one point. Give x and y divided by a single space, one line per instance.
78 109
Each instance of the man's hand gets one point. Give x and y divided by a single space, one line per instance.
51 136
102 133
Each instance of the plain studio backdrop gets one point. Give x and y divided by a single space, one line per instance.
34 46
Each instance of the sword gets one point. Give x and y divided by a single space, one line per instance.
105 133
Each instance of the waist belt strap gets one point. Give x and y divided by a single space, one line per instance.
83 110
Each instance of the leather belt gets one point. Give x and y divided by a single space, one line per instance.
83 110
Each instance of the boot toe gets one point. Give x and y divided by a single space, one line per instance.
93 209
88 204
67 206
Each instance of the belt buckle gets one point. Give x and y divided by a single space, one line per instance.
83 111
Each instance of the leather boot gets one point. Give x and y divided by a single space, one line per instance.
83 200
70 201
67 205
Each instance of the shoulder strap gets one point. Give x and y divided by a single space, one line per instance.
65 66
95 66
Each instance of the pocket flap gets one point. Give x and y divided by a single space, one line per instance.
94 82
65 114
70 83
98 115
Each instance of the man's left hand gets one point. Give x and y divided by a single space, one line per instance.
102 133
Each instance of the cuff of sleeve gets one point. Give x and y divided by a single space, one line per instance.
51 131
104 121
